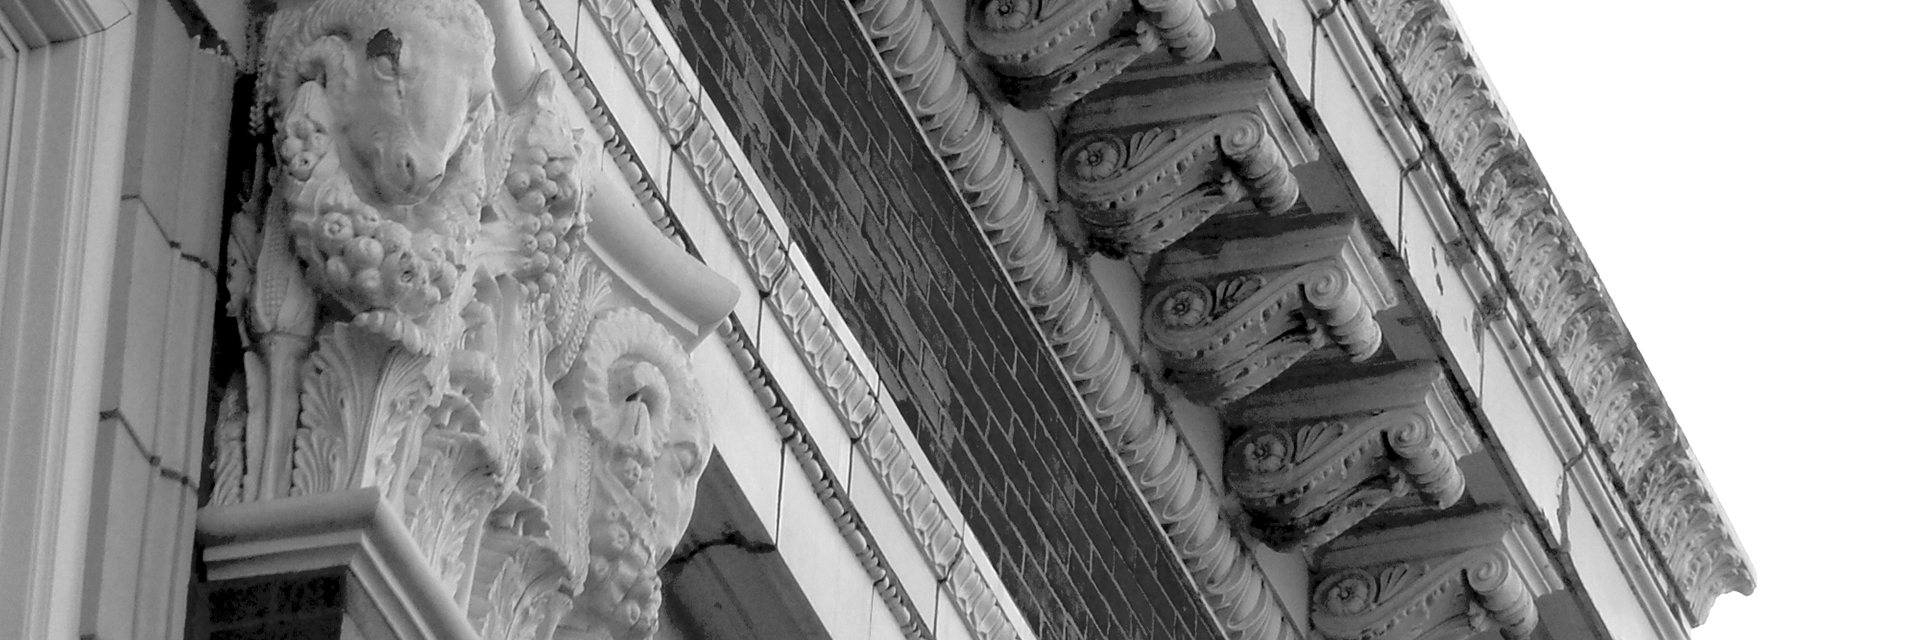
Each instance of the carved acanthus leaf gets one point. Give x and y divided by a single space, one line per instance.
1321 451
520 588
1145 166
1230 315
363 407
1049 53
455 485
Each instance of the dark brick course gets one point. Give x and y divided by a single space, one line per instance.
898 253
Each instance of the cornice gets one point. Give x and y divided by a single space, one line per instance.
1011 210
39 23
1562 298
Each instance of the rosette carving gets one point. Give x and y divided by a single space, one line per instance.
412 267
1231 316
1322 451
1450 578
1145 167
1049 53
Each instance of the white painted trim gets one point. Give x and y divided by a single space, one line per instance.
39 23
58 210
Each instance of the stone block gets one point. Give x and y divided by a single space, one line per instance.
181 420
178 132
137 329
123 485
811 543
743 434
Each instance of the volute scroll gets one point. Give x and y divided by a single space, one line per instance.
1444 578
1049 53
1233 310
1319 450
1146 162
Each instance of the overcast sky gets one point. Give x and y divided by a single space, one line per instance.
1739 173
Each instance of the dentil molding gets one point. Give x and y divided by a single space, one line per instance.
1324 447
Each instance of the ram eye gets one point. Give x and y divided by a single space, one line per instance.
384 50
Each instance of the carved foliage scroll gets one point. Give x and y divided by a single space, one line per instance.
1318 453
1145 166
1230 313
1050 52
1449 597
1446 578
422 317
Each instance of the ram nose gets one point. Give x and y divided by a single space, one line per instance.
410 178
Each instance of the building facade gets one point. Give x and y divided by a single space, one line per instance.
996 319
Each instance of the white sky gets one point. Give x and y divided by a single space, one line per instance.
1738 171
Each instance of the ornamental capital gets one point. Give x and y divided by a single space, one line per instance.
1233 308
1450 577
1318 451
1147 161
1048 54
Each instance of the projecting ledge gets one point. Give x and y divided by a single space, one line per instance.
1449 577
394 593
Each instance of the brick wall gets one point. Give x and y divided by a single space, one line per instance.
899 254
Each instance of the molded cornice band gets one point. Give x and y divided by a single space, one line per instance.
1562 298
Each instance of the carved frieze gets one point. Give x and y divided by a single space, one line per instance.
424 320
1146 162
1232 310
1318 451
1048 53
1448 578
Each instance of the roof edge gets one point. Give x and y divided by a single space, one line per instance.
1560 293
